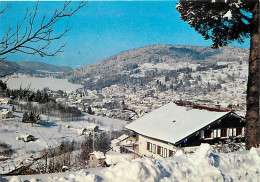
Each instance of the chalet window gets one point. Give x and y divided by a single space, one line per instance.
158 149
151 147
170 153
224 132
165 153
219 132
148 146
230 132
239 131
154 148
215 133
234 132
161 152
208 133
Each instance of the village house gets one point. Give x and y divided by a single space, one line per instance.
92 128
26 138
96 159
5 101
5 114
117 141
123 144
164 130
83 131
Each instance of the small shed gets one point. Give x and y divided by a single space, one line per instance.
5 101
82 131
27 138
97 159
92 128
6 114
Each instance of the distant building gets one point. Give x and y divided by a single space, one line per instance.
26 138
5 101
97 159
123 144
92 128
164 130
5 114
117 141
82 131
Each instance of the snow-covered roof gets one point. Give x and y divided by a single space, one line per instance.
115 141
172 123
92 126
5 111
26 136
81 129
99 155
123 137
119 139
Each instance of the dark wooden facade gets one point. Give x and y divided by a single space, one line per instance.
231 127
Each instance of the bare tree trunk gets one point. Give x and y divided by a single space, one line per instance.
252 113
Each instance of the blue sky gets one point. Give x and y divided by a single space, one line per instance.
103 28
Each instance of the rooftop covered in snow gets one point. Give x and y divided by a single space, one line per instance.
99 155
119 139
172 123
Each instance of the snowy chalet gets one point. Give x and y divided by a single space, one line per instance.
97 159
164 130
6 114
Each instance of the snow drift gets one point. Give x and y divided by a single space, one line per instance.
203 165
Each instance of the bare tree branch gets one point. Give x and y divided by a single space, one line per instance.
5 8
33 39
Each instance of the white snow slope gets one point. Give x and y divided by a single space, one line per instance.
203 165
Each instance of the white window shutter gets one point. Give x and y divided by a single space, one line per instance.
230 132
215 133
154 148
165 153
219 132
234 132
243 131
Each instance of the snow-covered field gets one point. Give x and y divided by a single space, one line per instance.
53 133
40 83
203 165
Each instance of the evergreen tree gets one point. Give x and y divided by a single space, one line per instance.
25 118
2 89
45 98
90 110
13 108
224 21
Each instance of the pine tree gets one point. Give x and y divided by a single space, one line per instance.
224 21
2 89
25 118
90 110
13 108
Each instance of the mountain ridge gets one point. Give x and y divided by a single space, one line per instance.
131 61
30 67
